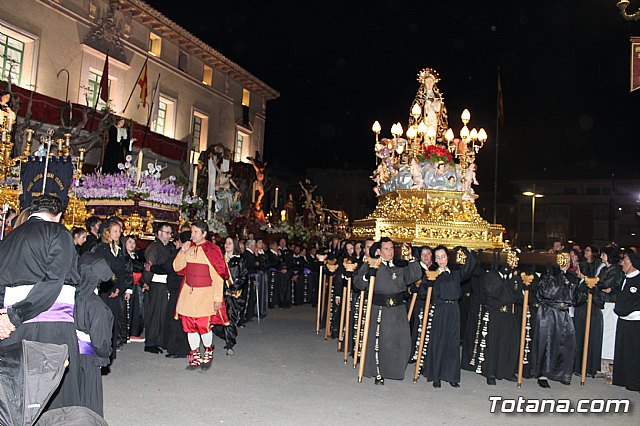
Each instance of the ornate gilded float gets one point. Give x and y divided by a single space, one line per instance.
424 182
429 216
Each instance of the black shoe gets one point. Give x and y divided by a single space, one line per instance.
565 382
175 356
543 383
491 381
454 384
436 383
153 349
379 381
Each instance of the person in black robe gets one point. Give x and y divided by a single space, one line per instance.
389 338
501 348
443 352
93 225
283 277
472 338
272 266
297 276
329 295
554 340
424 255
307 277
464 304
174 338
358 294
594 352
341 278
627 353
117 147
159 257
112 291
312 271
252 263
532 312
611 278
39 267
94 325
233 291
135 298
262 279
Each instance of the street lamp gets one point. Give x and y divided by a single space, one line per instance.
533 196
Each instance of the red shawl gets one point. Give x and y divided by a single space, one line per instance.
214 254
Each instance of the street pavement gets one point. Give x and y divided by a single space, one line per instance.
282 373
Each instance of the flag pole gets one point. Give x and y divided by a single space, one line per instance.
135 84
95 107
146 129
495 172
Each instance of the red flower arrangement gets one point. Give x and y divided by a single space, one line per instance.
435 154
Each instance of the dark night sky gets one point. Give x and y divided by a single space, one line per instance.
341 64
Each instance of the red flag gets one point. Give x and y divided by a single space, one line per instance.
104 81
142 82
500 106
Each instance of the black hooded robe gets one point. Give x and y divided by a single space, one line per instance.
554 340
42 254
93 318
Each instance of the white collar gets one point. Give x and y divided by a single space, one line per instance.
42 216
249 250
389 263
274 252
633 274
446 269
424 266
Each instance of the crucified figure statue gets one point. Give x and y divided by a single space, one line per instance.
259 182
308 195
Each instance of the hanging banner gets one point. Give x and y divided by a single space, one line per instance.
635 63
59 179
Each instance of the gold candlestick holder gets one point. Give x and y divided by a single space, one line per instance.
27 147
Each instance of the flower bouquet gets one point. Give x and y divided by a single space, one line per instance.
435 154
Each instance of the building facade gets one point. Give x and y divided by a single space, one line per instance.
592 210
58 47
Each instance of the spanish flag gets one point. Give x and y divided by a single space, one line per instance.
142 82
